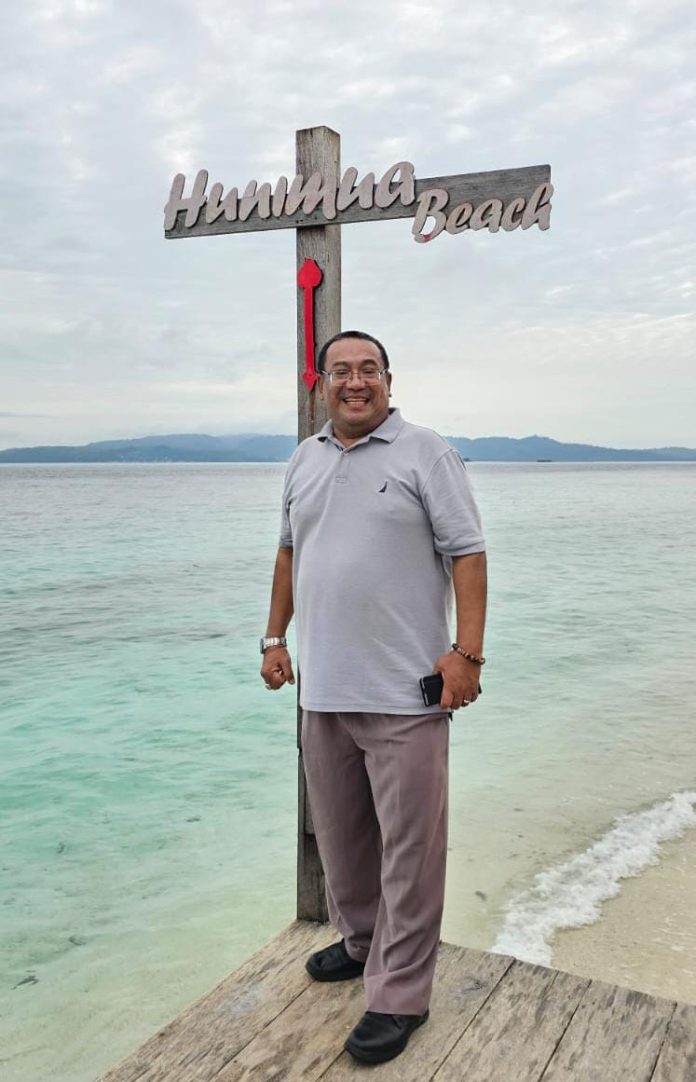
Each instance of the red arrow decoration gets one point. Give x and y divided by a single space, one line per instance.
308 278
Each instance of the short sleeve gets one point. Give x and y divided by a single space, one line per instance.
285 541
451 507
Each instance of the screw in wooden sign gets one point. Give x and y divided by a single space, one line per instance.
316 208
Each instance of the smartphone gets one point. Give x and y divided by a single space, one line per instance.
431 688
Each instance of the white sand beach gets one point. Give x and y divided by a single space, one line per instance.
646 937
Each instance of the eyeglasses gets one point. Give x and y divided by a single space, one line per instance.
368 374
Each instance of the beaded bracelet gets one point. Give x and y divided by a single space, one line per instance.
469 657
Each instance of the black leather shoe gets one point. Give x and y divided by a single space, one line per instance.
379 1037
333 964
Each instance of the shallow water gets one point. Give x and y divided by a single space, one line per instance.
147 780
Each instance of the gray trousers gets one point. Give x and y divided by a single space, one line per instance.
377 787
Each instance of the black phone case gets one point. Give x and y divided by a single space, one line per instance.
431 688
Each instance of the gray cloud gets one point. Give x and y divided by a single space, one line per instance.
585 332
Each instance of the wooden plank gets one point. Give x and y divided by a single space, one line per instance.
317 150
207 1035
615 1034
504 184
677 1059
518 1028
493 1020
304 1040
464 979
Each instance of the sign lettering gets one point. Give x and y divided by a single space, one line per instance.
510 199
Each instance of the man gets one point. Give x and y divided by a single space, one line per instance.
379 527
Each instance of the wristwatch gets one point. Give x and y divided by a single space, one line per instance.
275 640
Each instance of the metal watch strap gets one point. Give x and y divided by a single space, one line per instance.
274 640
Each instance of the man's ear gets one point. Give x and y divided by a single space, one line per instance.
320 386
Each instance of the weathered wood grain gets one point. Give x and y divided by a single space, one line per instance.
311 892
206 1036
614 1035
464 980
677 1059
520 1024
317 150
304 1040
504 184
492 1020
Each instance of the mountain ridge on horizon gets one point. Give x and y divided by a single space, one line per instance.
263 447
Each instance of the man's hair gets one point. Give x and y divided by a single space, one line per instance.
321 360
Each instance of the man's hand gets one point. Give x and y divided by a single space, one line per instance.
276 668
461 680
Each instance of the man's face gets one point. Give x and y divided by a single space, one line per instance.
356 407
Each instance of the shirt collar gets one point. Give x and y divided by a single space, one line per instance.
387 431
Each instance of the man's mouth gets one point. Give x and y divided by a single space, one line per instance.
353 399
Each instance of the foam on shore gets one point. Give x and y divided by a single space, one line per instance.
571 894
646 938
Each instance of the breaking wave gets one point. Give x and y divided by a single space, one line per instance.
570 894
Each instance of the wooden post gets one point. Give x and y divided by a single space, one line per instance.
318 150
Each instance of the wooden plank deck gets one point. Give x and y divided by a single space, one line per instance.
493 1019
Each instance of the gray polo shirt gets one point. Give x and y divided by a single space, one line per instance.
373 528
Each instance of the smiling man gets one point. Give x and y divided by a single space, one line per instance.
379 530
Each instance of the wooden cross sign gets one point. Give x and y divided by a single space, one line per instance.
522 199
316 203
320 199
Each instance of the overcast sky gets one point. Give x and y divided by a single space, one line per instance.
585 332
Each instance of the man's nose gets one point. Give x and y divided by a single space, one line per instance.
356 375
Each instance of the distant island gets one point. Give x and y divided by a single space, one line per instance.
258 447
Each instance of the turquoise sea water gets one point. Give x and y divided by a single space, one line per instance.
147 779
